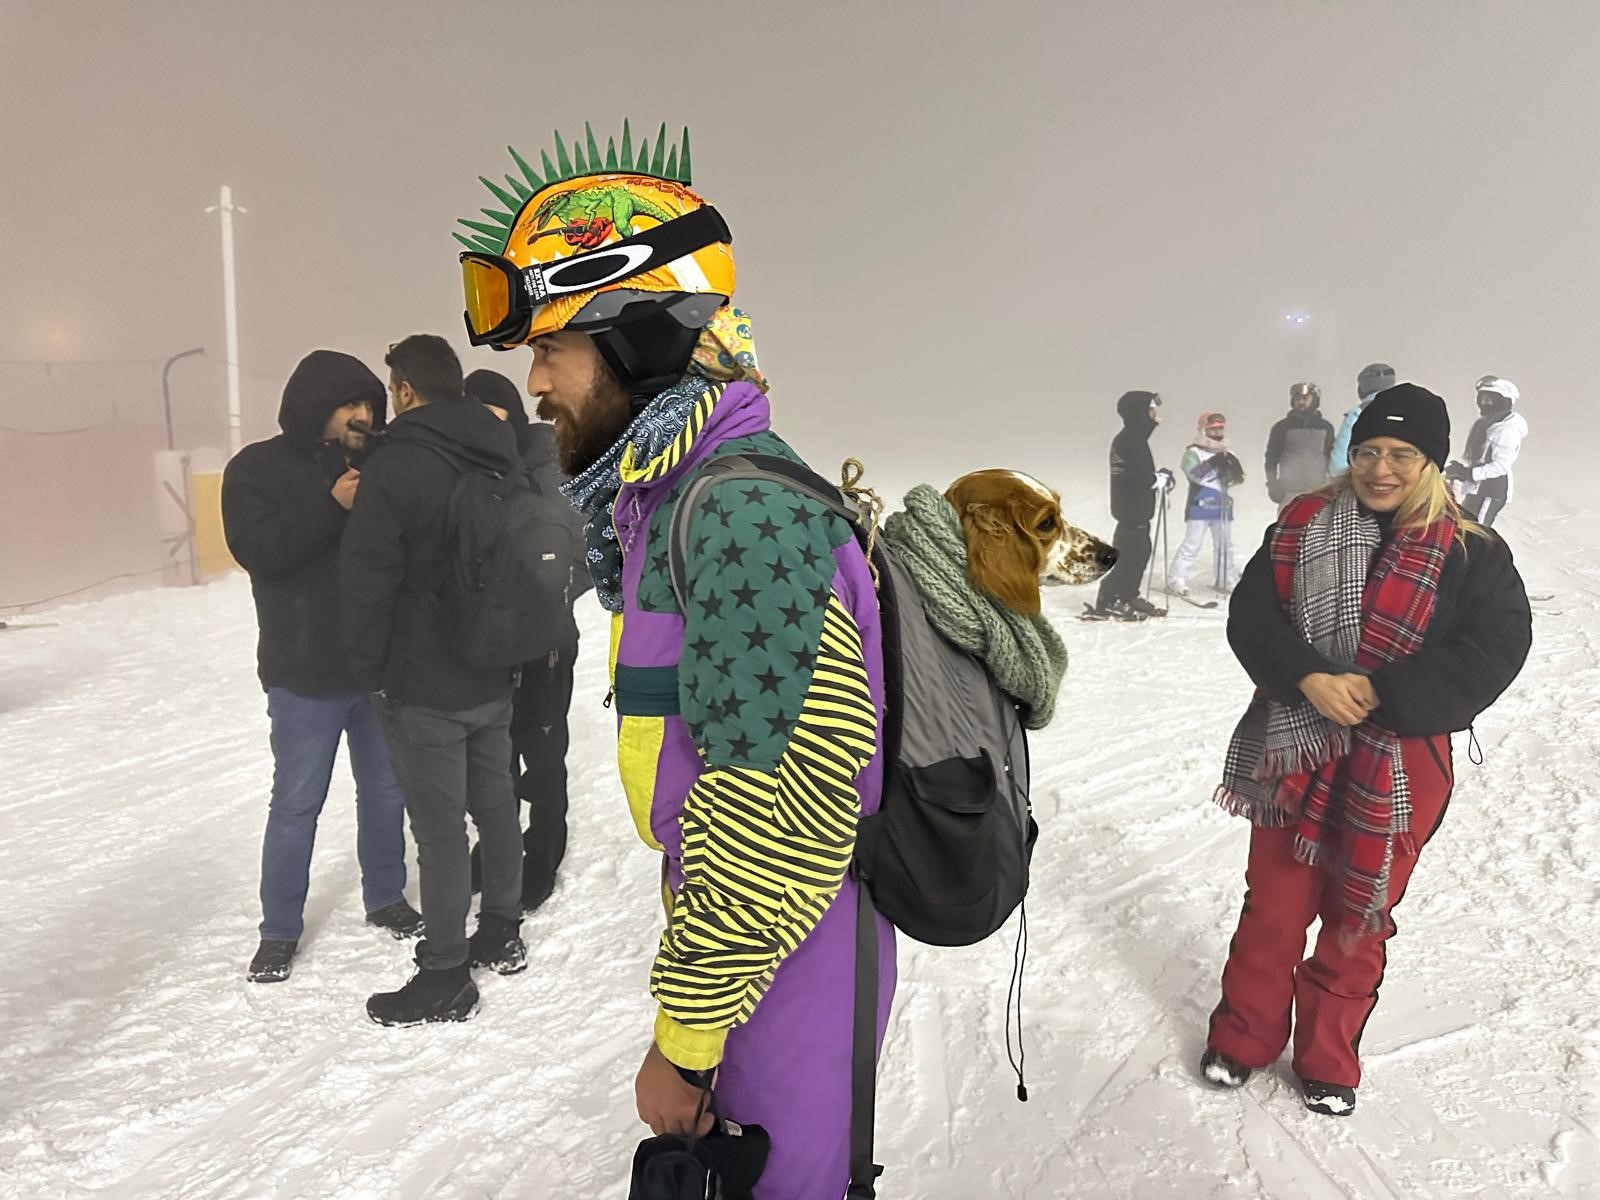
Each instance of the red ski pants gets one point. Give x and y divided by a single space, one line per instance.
1330 995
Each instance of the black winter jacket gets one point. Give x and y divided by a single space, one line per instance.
1476 642
393 559
1133 468
283 526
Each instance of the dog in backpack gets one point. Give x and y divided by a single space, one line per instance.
1018 539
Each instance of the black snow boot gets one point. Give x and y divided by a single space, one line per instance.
1216 1067
443 995
496 943
400 919
1329 1099
1116 609
272 961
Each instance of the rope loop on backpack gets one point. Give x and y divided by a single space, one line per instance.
869 507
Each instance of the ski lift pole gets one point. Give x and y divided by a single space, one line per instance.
166 387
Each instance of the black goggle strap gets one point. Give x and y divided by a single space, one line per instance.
655 247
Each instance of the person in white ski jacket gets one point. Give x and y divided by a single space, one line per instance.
1211 470
1483 481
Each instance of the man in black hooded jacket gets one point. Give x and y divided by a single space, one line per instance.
447 721
285 502
539 735
1135 484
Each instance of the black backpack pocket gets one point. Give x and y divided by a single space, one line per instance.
930 854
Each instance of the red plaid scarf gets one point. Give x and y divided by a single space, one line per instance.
1353 809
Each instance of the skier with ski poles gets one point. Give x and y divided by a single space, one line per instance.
1135 486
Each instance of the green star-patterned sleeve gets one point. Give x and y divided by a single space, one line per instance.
773 688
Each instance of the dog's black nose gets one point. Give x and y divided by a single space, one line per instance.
1105 557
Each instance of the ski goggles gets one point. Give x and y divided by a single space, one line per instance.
503 298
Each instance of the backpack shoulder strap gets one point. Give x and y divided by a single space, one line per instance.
463 463
864 1051
767 468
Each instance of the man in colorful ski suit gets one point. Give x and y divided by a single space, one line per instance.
749 717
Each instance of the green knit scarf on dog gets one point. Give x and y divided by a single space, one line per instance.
1024 654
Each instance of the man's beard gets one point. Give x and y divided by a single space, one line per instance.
581 441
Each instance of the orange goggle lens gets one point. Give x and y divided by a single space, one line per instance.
487 287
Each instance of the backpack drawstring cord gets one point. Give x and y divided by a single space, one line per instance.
1019 963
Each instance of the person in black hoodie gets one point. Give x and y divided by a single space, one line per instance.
543 697
448 722
285 502
1376 620
1135 484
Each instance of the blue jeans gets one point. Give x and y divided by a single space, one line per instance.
305 739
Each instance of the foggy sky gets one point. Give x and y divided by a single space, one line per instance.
962 229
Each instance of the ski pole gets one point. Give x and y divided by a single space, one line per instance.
1150 572
1150 567
1166 554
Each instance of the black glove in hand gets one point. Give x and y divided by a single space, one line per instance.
1457 472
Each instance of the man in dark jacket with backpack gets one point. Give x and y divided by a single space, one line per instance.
1135 485
544 695
447 720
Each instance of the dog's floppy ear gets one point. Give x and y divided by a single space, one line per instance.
1001 561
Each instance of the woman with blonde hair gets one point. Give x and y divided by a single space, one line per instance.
1375 621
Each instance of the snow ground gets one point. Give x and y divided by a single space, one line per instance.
136 1061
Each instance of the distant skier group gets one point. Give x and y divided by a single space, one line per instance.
1304 454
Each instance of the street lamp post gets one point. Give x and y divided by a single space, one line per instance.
166 387
230 309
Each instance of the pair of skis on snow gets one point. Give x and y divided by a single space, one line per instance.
1091 613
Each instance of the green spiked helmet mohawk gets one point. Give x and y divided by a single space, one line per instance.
670 164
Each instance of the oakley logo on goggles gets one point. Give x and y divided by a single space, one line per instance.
502 297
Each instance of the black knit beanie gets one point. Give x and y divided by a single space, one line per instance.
1410 413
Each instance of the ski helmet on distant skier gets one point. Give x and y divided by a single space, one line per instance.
1496 396
1299 390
